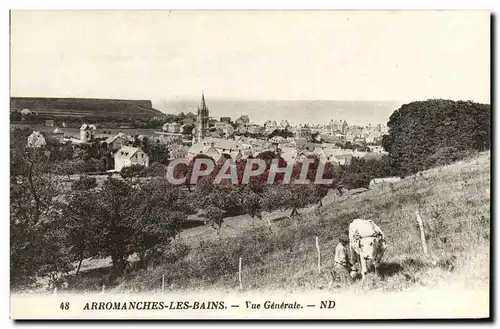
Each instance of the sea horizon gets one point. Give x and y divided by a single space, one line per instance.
320 111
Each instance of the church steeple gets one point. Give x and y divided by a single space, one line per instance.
202 119
203 105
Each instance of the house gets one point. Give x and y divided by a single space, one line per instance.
304 131
337 125
325 138
377 149
318 151
304 154
169 138
243 120
58 134
172 127
300 143
128 156
195 149
277 140
289 155
270 125
177 152
222 145
116 142
213 152
104 134
284 124
237 155
87 132
359 154
36 140
255 129
241 130
343 159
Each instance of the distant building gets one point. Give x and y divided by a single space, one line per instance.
225 119
177 152
270 125
243 120
338 126
169 138
87 133
373 137
343 159
128 156
255 129
213 152
284 124
228 129
304 132
58 134
117 141
377 149
241 130
172 127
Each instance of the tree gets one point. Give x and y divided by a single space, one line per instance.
216 217
36 247
137 219
162 210
114 218
158 153
356 174
83 235
419 130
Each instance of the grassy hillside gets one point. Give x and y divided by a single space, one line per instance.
60 108
454 202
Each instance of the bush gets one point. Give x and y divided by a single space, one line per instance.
131 171
85 183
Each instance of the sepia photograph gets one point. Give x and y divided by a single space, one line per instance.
190 164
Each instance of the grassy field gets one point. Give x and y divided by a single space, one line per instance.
454 202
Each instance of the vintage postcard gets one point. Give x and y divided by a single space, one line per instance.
250 165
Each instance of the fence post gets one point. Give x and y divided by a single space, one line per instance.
239 275
162 284
103 288
319 255
422 233
55 291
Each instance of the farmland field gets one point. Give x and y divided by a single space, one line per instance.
453 200
75 131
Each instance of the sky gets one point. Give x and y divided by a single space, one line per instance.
162 55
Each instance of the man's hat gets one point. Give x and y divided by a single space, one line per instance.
344 239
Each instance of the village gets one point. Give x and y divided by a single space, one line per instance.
336 142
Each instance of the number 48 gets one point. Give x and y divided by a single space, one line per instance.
65 306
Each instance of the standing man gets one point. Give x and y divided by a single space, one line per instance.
342 265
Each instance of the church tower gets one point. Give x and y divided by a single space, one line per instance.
202 119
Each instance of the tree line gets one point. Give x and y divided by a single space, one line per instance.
429 133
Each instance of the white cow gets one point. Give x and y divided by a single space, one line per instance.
367 243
